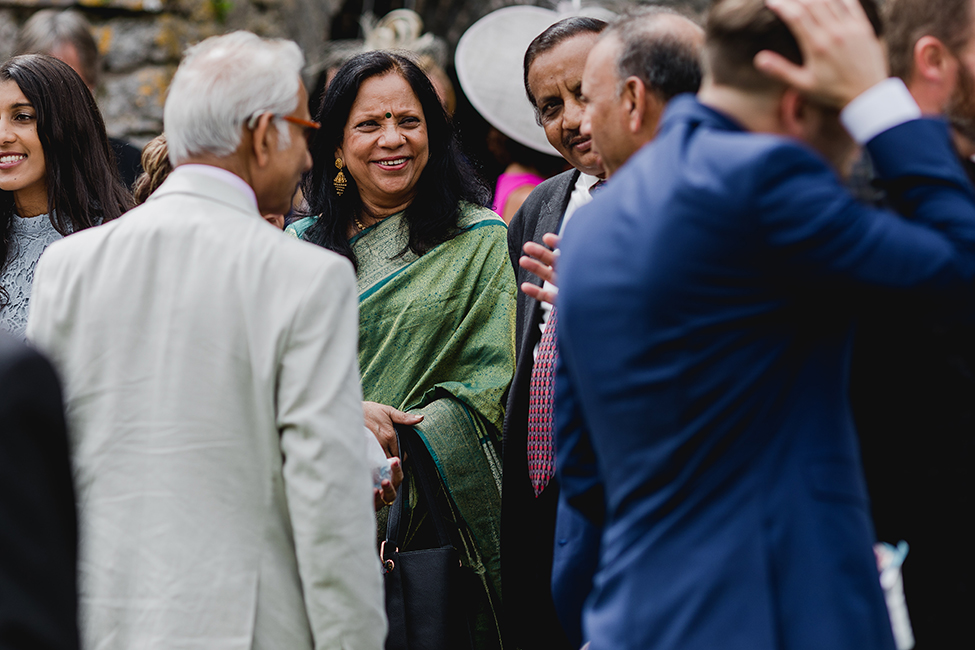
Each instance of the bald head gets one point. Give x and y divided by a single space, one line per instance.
639 64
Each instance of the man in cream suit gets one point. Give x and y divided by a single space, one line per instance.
211 383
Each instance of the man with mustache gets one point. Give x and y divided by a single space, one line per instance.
913 383
553 79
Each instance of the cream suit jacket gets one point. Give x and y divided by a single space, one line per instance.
212 389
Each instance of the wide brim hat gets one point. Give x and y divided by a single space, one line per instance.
489 60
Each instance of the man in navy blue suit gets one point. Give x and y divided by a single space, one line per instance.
707 303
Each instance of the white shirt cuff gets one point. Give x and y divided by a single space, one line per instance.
882 107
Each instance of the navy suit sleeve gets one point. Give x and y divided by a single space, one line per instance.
581 509
574 563
575 459
823 233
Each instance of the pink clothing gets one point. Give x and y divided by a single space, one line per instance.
508 183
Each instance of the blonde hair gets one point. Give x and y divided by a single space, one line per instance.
155 169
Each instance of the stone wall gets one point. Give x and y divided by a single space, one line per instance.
142 40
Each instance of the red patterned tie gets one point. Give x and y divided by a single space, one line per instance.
541 400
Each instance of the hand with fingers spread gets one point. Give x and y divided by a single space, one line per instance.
541 261
382 421
842 56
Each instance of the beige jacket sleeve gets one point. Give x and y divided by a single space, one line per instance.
327 484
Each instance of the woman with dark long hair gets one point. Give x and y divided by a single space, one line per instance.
390 190
57 171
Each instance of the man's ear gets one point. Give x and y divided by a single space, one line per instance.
633 100
933 62
793 113
265 138
648 107
935 74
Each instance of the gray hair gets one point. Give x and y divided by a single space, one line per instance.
49 29
666 61
222 84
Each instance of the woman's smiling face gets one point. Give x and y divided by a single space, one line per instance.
385 144
23 170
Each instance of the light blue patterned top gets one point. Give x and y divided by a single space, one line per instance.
28 239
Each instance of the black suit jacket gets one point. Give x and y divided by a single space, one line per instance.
912 391
38 534
527 523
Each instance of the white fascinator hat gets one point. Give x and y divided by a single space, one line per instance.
489 62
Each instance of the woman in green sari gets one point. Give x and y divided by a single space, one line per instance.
392 193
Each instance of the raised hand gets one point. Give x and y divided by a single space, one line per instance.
541 261
842 56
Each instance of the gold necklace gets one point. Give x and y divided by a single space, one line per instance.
361 226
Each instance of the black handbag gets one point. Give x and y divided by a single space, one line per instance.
425 589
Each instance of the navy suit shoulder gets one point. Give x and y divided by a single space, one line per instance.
38 530
706 308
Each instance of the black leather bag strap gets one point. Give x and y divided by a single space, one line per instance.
425 473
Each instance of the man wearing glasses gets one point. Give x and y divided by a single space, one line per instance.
224 500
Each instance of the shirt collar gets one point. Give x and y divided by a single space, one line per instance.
221 174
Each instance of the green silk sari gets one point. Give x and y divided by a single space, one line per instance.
436 337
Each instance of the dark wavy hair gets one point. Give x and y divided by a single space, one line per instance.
447 179
83 184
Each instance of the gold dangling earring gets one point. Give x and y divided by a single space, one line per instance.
340 182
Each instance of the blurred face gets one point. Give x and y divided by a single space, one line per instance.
277 185
385 144
606 118
555 78
69 54
22 166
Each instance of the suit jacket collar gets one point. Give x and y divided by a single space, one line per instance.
551 213
686 109
209 187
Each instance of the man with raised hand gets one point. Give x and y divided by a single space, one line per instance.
707 303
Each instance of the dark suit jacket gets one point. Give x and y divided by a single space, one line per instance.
912 391
527 523
706 303
38 534
128 158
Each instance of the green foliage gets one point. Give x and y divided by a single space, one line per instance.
221 9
